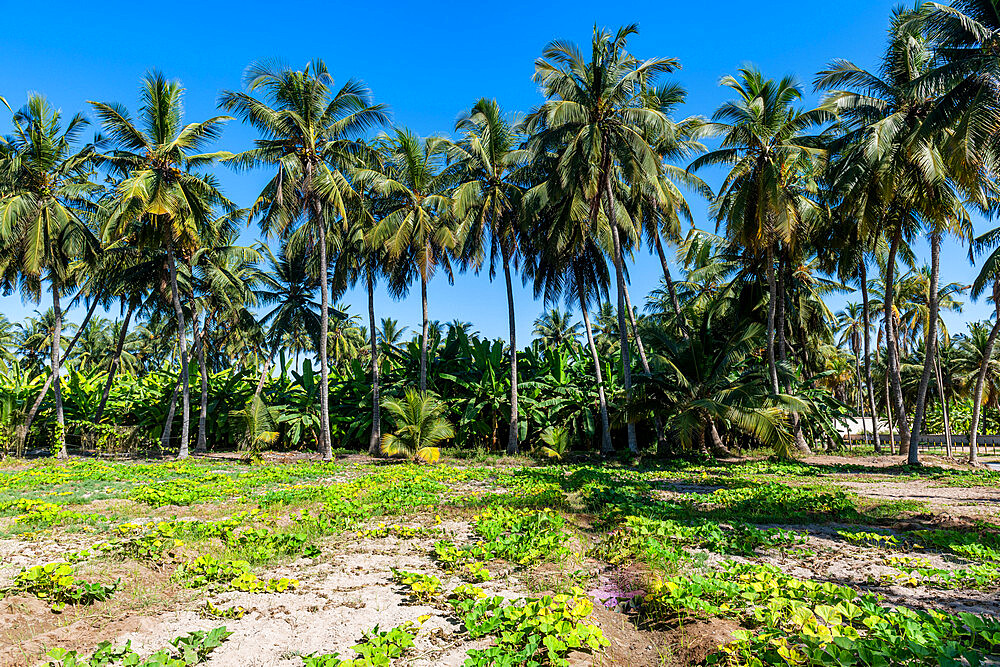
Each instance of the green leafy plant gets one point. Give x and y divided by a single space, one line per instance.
55 583
421 426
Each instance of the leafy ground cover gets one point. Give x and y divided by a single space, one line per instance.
351 564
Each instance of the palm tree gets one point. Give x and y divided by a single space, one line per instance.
963 76
288 287
764 199
161 201
565 262
908 171
989 275
43 210
704 383
390 333
556 327
600 116
420 424
7 339
767 196
491 164
851 323
311 135
417 229
222 278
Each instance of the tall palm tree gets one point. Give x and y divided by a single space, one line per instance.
566 261
989 276
767 197
43 211
162 201
851 323
417 229
601 115
491 161
310 134
764 200
909 171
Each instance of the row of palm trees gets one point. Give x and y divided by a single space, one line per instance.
564 197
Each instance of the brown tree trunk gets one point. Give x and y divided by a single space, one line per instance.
892 351
202 443
930 343
56 367
182 452
375 440
423 329
606 446
25 428
618 258
115 361
866 310
977 398
326 441
674 302
512 436
772 291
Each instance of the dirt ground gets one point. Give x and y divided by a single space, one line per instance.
348 589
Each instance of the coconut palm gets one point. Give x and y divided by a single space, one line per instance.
989 276
600 116
421 425
417 230
289 291
310 134
909 172
162 201
765 198
556 327
491 163
705 381
44 205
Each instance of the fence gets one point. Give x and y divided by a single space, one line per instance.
989 445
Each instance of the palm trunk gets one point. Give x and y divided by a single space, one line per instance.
56 367
895 383
779 325
26 427
633 445
512 445
375 441
977 399
169 425
944 401
699 440
325 440
888 412
868 366
606 446
657 422
423 329
930 343
772 300
671 290
861 393
717 445
202 443
635 333
119 346
182 452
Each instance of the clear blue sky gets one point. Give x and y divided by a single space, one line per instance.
428 63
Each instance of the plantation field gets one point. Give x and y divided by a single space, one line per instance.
829 561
